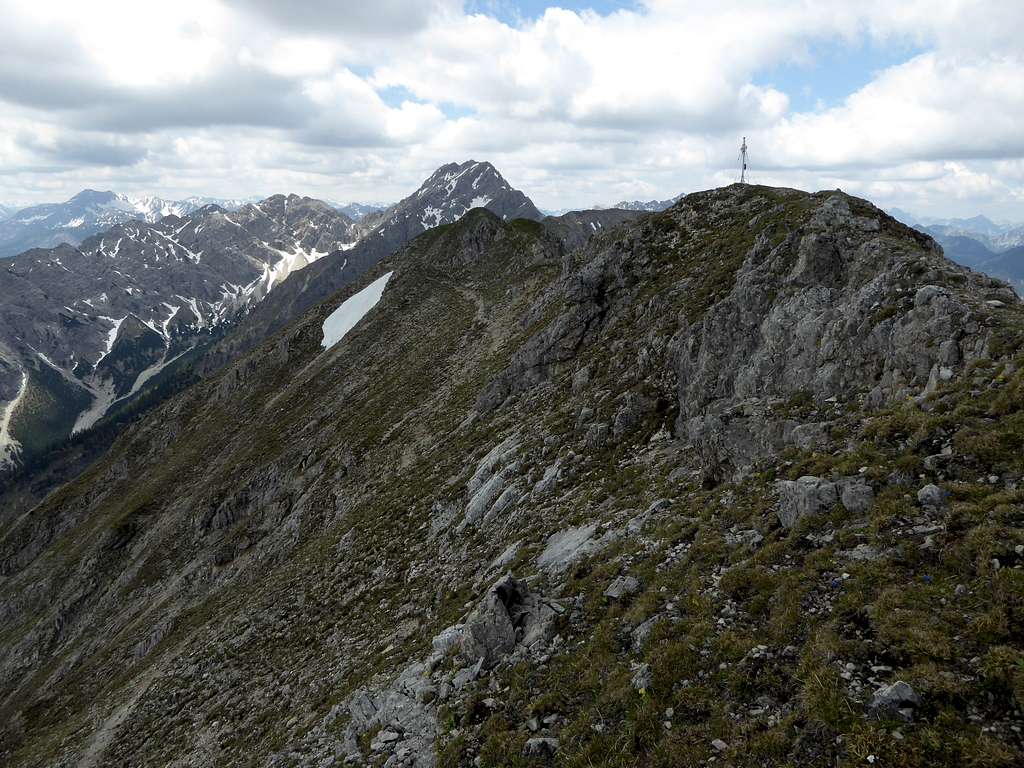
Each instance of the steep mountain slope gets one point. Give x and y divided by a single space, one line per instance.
83 328
86 214
302 560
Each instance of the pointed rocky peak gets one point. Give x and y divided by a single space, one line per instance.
208 210
446 196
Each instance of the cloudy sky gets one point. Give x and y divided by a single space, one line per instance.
917 104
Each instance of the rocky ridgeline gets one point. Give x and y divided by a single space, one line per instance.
736 483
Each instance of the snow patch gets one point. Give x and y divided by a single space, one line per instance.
479 202
352 310
9 447
431 213
111 337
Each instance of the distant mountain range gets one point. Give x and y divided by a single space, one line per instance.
357 211
84 329
996 249
91 212
651 206
86 214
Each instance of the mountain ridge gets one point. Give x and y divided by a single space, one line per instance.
680 493
87 213
267 252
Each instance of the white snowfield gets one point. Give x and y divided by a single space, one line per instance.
352 310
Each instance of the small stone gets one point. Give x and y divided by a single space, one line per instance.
642 677
932 496
897 699
658 506
540 747
622 587
719 745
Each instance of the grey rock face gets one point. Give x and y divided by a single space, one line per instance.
548 482
408 723
488 489
448 640
804 497
642 678
750 537
823 312
597 436
568 546
863 553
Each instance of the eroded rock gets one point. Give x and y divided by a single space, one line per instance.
507 616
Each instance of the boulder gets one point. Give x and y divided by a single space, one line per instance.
856 494
547 483
507 616
622 586
540 746
448 639
896 700
805 497
932 496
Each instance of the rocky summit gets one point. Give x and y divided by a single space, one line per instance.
735 483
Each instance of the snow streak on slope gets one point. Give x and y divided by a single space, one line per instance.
111 337
352 310
103 396
9 447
